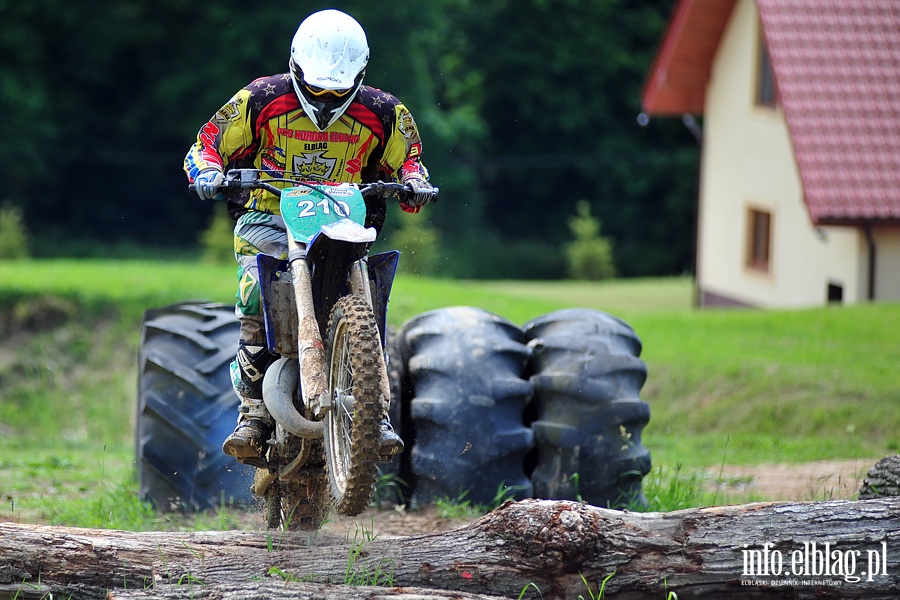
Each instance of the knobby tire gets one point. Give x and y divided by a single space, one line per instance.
355 368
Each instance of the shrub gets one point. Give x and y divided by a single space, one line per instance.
418 242
217 240
589 255
13 235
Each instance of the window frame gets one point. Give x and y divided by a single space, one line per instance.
765 94
758 250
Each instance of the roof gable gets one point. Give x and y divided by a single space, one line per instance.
677 82
837 70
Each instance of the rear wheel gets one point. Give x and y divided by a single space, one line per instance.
301 501
299 504
357 378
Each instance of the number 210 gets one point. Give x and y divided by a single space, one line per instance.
308 207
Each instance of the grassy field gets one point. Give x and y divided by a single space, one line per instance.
735 386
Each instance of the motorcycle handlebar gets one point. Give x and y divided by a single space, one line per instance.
250 179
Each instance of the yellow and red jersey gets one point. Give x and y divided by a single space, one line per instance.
263 126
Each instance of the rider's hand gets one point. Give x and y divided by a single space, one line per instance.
421 193
207 184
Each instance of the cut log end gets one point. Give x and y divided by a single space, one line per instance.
882 480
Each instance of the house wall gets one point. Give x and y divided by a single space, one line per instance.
748 161
887 263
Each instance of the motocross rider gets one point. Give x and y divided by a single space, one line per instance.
318 119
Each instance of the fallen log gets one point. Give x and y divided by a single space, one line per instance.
529 549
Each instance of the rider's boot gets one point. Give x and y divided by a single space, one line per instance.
390 443
254 427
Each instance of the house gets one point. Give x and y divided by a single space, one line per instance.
799 201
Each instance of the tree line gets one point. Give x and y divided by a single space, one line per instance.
526 109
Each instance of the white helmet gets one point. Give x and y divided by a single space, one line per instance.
329 54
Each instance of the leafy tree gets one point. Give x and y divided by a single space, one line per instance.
522 106
561 96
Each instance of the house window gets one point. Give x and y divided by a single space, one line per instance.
835 293
765 80
759 237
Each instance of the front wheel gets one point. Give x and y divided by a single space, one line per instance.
357 381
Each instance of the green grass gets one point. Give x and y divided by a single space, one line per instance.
740 386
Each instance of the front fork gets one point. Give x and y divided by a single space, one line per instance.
310 347
359 280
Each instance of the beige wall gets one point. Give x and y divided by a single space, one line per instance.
748 162
887 263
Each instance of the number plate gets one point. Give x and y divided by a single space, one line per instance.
305 210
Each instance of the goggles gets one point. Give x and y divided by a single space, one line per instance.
317 92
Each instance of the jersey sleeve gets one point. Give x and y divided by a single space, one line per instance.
225 136
403 152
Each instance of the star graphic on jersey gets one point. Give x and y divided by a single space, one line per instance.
377 101
285 77
270 89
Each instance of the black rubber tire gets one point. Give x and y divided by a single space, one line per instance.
186 407
587 413
465 368
355 363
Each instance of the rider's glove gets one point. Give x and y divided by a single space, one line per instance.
207 184
421 193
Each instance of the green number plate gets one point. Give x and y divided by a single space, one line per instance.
305 210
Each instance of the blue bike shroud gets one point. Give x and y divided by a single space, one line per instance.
382 269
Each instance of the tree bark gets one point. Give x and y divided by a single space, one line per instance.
563 549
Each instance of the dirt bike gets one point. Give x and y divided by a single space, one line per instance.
325 312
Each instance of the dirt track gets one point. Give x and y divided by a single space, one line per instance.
820 480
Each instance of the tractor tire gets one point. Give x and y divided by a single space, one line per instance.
186 408
587 414
465 371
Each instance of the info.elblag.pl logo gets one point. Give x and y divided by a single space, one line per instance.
815 560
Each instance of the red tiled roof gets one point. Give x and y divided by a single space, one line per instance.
677 82
837 70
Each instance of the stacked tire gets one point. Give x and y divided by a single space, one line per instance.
487 409
465 369
187 407
551 410
588 417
